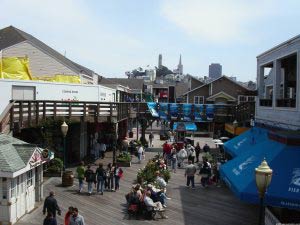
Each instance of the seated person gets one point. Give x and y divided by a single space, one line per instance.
157 195
160 180
151 205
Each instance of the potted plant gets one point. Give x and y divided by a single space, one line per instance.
124 159
54 168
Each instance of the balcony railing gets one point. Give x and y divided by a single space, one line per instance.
286 102
265 102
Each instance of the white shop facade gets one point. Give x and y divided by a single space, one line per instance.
21 177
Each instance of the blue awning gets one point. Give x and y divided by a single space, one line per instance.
246 141
284 190
184 126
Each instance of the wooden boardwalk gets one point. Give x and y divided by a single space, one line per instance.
202 206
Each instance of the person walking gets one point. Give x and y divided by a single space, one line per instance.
102 149
205 172
198 150
190 171
100 175
90 179
80 175
173 159
50 205
191 153
76 219
140 153
110 177
118 174
68 215
50 219
151 136
97 150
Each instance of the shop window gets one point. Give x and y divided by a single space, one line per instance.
251 98
29 178
4 188
13 188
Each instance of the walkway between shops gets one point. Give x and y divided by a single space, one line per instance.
207 206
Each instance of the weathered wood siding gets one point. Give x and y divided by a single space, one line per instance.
40 63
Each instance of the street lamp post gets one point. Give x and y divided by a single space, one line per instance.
64 130
263 176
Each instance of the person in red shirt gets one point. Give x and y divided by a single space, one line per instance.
167 151
68 215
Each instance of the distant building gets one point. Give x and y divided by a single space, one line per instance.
159 61
180 67
215 70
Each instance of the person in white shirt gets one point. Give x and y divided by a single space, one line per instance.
157 206
140 153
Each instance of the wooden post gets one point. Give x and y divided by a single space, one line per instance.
29 113
44 110
37 113
54 110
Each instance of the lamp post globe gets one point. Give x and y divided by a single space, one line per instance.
263 177
64 130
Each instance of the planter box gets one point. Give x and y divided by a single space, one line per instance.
124 164
52 174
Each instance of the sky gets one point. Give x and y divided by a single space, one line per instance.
112 37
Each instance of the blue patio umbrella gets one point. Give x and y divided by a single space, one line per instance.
246 141
284 190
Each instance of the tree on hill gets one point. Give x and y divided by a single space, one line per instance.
163 71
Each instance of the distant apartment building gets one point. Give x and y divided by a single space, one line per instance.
215 70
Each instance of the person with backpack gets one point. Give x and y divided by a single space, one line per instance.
90 179
101 176
191 153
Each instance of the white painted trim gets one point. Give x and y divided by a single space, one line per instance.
219 93
199 97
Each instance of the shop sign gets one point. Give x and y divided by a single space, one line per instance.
35 158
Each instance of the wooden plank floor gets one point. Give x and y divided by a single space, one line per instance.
203 206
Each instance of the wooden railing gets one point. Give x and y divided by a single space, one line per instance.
30 113
5 118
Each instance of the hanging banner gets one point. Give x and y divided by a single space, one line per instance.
152 106
210 112
174 111
199 112
187 112
163 111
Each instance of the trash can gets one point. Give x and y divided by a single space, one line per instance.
67 178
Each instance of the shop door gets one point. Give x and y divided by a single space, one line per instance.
20 204
23 92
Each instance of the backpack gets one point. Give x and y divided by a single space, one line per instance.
89 175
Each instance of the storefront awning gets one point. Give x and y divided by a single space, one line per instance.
284 190
184 126
246 141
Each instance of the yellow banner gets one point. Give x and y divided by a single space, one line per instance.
15 68
74 79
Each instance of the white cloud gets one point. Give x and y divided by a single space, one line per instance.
218 20
72 26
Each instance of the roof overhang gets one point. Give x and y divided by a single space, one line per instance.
221 94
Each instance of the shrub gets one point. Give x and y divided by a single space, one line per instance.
147 175
124 157
55 165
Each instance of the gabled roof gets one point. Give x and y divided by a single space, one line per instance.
10 36
221 94
14 153
131 83
217 80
